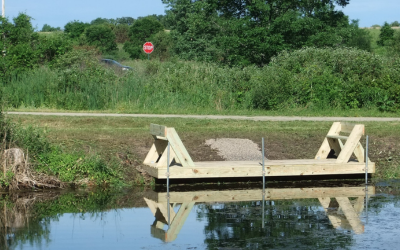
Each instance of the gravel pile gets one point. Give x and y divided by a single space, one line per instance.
233 149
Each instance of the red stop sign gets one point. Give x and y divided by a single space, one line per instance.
148 47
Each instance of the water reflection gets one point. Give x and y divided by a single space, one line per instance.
342 206
17 219
302 218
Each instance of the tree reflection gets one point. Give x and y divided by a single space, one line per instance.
288 224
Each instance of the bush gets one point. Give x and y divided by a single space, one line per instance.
74 167
329 78
50 47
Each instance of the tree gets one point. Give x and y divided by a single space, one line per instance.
358 38
125 20
139 32
24 48
102 37
121 32
395 24
386 34
144 28
99 21
75 28
162 42
48 28
240 32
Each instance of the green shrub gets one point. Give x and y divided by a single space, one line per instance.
332 77
74 167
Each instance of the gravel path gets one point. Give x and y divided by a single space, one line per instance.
233 149
218 117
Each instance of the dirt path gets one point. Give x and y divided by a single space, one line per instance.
213 117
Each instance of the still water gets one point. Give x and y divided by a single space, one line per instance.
317 217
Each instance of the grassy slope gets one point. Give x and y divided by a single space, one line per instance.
129 138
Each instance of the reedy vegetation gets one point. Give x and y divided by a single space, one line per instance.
340 78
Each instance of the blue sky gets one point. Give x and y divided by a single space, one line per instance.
58 12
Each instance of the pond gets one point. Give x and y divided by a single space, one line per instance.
317 216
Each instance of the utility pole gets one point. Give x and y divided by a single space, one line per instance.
3 14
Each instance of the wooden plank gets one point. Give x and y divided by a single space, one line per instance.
179 149
152 205
346 127
325 148
359 152
351 144
161 145
337 137
256 194
283 170
336 145
158 130
359 205
164 157
179 220
252 169
325 201
164 211
151 155
351 215
158 232
152 171
155 151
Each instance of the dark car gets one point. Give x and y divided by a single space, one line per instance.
115 64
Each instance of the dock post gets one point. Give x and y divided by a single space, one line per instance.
263 163
263 205
263 192
366 161
168 206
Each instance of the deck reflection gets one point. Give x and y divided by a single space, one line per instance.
342 205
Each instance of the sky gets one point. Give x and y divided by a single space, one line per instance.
57 13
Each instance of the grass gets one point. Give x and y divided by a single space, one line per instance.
129 138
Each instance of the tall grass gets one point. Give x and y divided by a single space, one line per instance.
328 78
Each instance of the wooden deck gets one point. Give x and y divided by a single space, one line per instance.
348 149
224 169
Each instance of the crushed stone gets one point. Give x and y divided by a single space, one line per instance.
235 149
